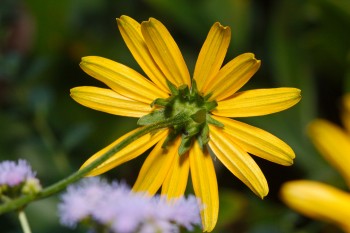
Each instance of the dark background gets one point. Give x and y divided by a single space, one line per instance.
301 43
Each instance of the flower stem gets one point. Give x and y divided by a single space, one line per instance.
62 184
24 221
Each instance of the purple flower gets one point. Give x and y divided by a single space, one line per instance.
80 201
13 174
120 210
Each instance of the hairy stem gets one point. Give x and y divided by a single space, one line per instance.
62 184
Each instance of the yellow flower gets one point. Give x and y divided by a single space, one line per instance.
318 200
205 102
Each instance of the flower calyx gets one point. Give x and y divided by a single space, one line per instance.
193 110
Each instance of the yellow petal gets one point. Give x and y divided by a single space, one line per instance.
318 201
176 181
211 55
258 142
131 33
258 102
239 162
155 168
334 145
109 101
122 79
233 76
205 185
165 52
129 152
346 112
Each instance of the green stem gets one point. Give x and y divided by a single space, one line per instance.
62 184
24 222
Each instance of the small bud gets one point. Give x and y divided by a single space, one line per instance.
31 186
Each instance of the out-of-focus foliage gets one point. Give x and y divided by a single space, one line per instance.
302 43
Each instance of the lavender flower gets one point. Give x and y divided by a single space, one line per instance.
120 210
17 178
13 174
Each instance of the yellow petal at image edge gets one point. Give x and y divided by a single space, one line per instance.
319 201
131 33
155 168
211 55
205 185
333 143
239 162
122 79
107 100
258 142
258 102
165 52
131 151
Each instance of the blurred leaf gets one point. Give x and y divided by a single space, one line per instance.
232 208
76 135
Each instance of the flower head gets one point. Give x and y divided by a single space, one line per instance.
205 105
318 200
12 173
17 178
117 208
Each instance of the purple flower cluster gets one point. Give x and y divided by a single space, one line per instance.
115 206
17 178
13 174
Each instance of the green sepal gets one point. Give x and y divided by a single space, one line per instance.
184 91
160 102
194 89
153 117
207 96
211 105
185 145
170 138
212 121
192 131
203 138
172 88
199 116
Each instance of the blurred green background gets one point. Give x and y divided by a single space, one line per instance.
302 43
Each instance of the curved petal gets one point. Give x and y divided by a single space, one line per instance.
131 33
211 55
258 102
106 100
318 201
122 79
129 152
239 162
233 76
176 181
258 142
205 185
155 168
334 145
165 52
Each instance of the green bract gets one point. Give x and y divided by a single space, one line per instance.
194 109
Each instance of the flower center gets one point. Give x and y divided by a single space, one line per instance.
194 111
